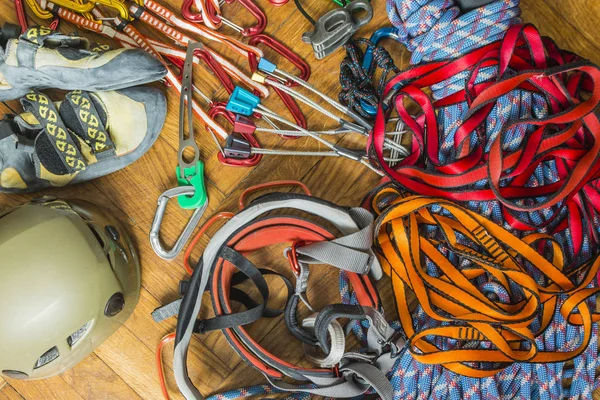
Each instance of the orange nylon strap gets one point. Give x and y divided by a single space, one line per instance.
474 326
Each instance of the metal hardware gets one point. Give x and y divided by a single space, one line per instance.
335 28
238 146
217 19
155 240
191 193
292 57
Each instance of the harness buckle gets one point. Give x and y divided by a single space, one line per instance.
292 255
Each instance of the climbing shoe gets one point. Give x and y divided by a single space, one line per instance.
42 58
87 135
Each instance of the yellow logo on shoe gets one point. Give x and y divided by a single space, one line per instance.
42 107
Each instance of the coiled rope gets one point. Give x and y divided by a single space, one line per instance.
475 113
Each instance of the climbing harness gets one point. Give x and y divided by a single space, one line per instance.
335 28
340 373
453 276
191 192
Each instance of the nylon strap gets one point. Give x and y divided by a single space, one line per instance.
66 149
497 330
91 129
569 137
248 231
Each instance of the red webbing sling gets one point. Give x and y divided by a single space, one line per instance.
568 136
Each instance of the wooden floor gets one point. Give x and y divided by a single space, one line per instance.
124 366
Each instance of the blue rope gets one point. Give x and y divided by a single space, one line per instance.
434 30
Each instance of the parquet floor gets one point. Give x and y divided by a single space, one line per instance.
124 368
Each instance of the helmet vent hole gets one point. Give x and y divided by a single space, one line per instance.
15 374
47 357
97 235
80 333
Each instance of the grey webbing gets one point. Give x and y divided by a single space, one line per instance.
348 387
340 218
167 311
350 253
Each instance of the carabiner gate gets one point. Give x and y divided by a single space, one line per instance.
163 200
217 19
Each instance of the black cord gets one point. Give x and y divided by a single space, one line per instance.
304 13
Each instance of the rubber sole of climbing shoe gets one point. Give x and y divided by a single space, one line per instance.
28 64
135 117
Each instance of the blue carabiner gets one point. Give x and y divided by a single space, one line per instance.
377 36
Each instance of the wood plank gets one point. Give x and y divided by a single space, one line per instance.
124 367
8 393
93 379
48 389
556 19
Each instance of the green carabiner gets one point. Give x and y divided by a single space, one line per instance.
192 176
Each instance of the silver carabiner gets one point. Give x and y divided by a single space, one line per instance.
163 200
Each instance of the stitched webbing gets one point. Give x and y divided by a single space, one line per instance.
474 324
531 172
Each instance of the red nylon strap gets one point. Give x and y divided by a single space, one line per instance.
569 136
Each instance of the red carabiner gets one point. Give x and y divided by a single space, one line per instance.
292 256
221 109
21 16
211 63
217 69
261 18
298 62
282 50
259 27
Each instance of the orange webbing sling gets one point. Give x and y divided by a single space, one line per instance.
477 335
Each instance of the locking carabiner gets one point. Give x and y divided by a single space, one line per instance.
163 200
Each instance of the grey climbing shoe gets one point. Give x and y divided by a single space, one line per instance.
41 58
87 135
